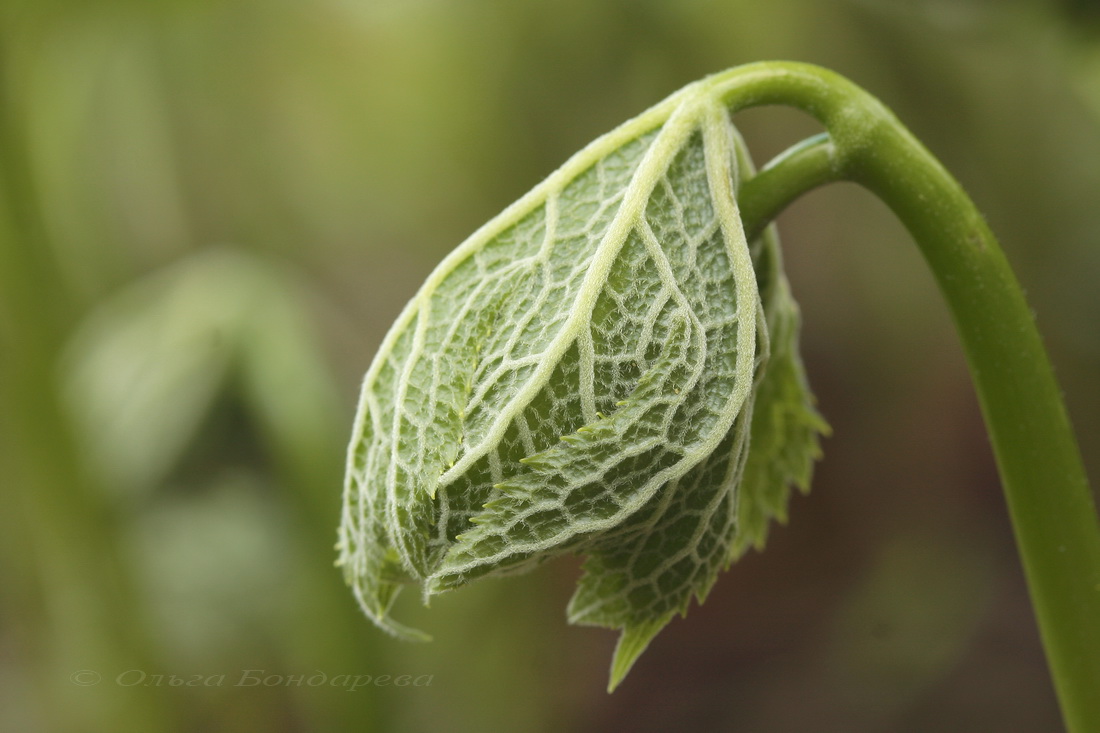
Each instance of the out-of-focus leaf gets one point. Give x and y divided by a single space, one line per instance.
148 364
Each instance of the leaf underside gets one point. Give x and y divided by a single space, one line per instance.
586 374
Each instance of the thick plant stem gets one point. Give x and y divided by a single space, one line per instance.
1049 500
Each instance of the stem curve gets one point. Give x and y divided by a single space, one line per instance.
1051 506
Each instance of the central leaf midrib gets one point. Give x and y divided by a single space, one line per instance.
681 123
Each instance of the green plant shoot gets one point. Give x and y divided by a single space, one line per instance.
610 368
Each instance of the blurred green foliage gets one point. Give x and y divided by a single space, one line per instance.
210 212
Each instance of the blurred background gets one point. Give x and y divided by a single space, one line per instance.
212 210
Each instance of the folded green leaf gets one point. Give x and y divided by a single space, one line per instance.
579 376
785 426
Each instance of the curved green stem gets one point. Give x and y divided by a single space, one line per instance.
802 167
1051 506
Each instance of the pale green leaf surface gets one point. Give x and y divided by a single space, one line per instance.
578 376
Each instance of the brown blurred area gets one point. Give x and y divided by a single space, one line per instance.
212 210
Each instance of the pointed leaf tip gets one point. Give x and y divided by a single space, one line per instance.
632 642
